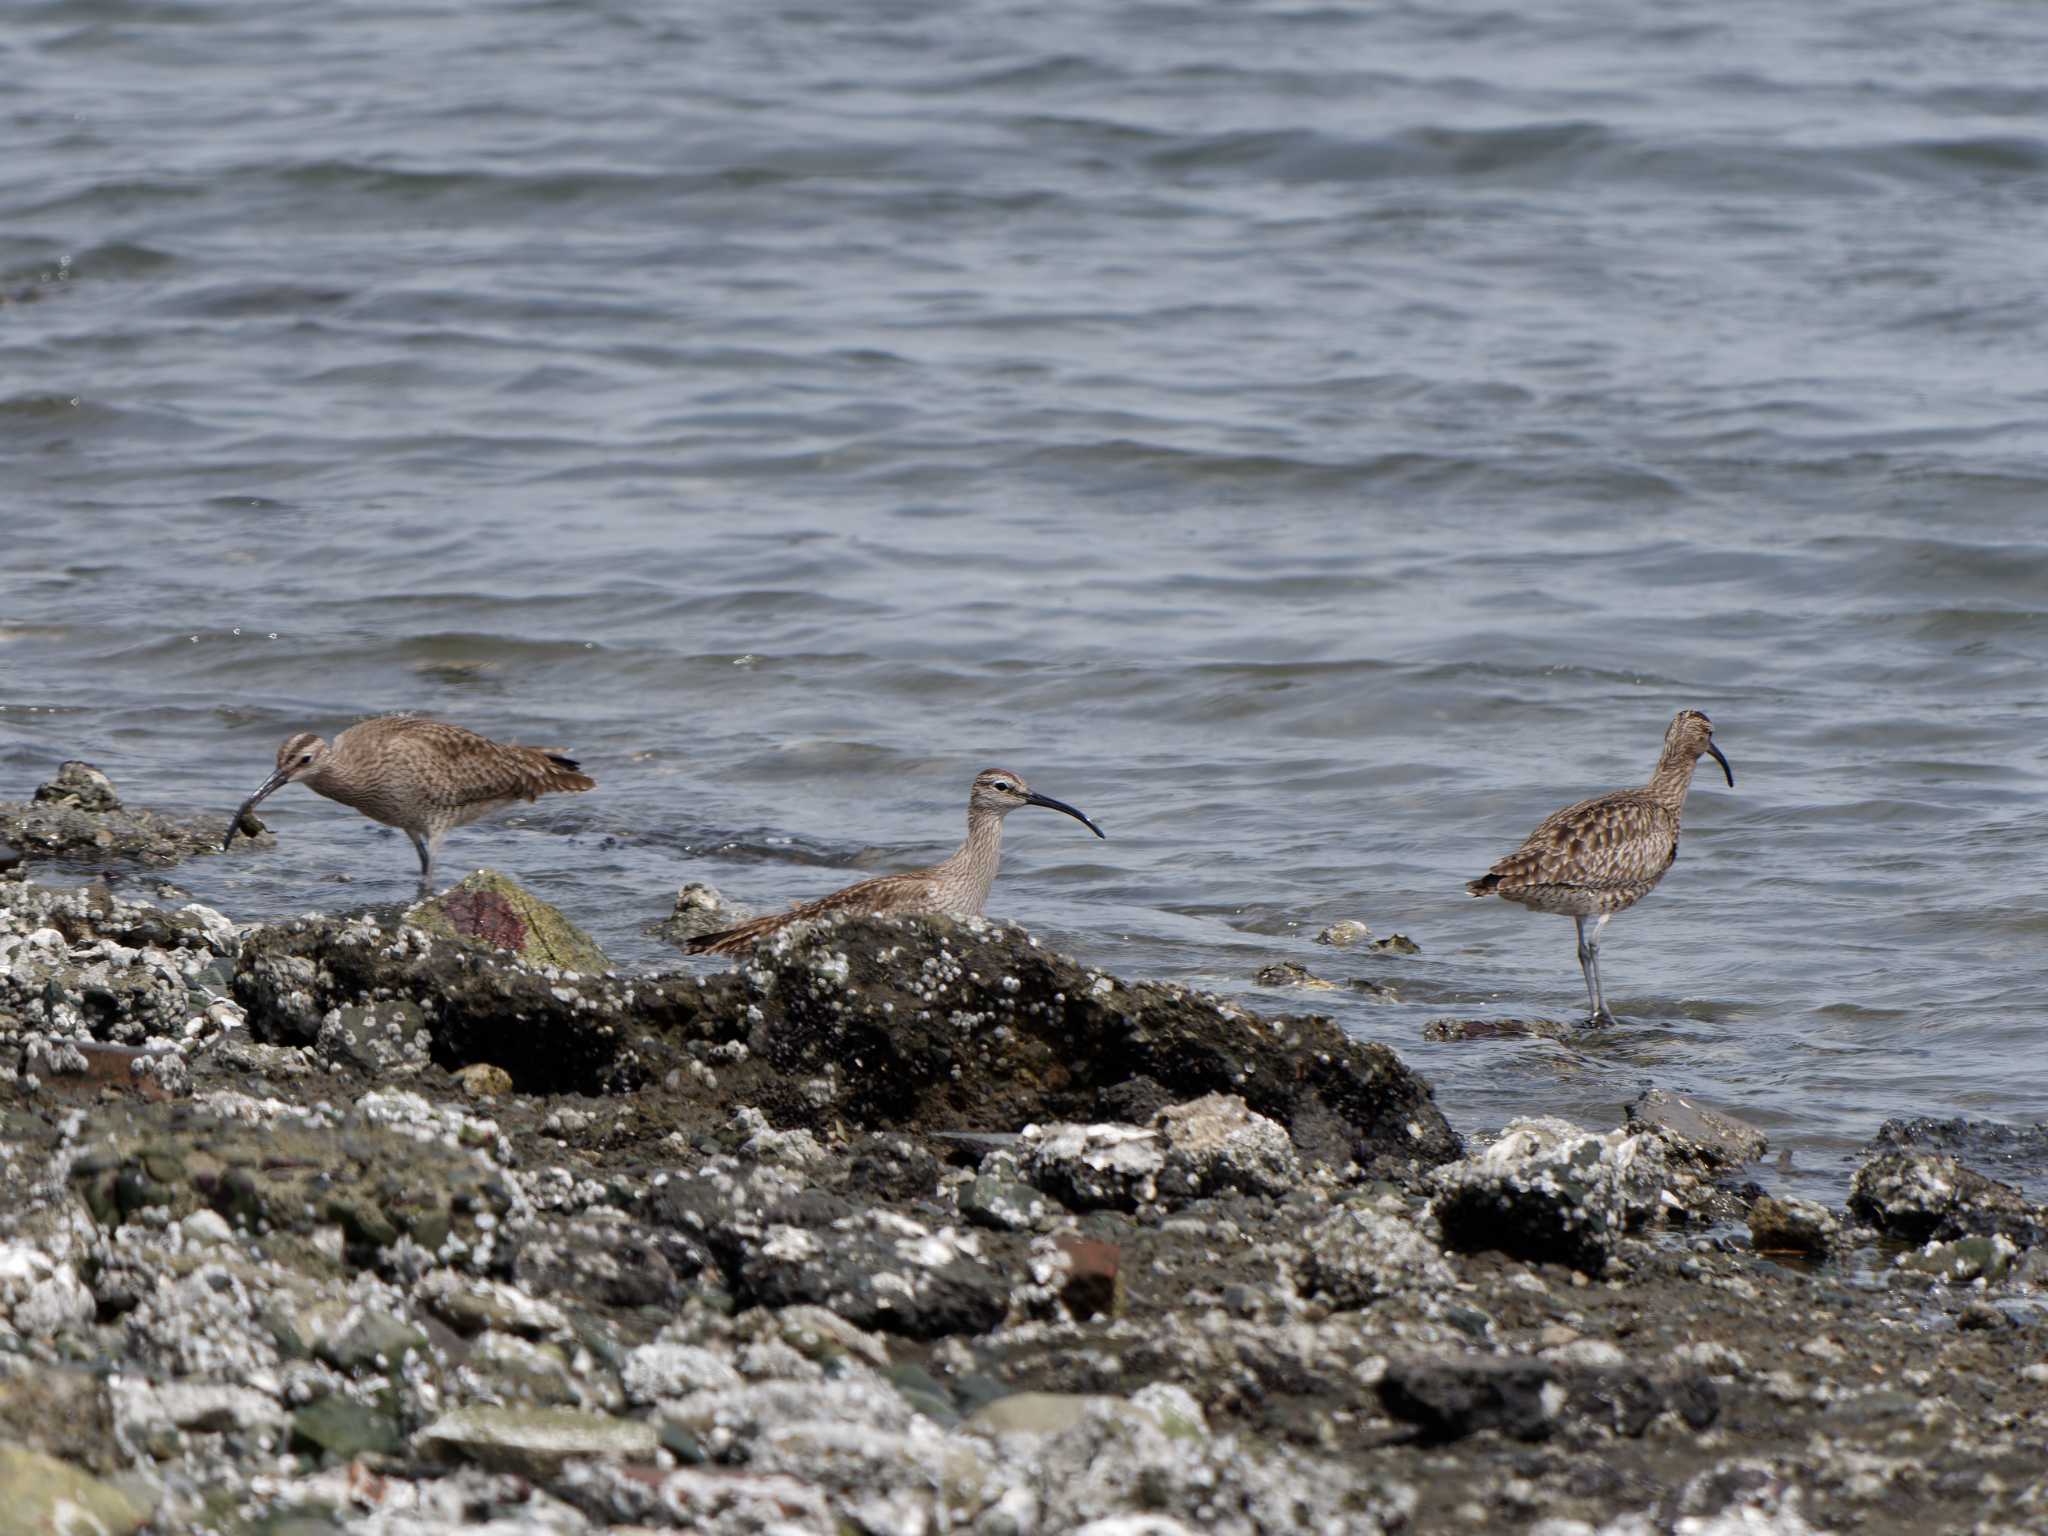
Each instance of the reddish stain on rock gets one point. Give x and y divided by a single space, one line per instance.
488 916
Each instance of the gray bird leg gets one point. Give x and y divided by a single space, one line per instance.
426 853
1589 962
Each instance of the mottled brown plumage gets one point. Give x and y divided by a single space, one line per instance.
422 776
1603 855
958 885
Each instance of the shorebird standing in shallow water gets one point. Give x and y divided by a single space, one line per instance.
1604 855
420 776
959 885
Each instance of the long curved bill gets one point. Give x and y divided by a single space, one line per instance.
275 782
1035 798
1723 762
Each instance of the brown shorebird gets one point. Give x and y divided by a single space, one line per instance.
420 776
1604 855
959 885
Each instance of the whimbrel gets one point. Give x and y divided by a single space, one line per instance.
420 776
959 885
1604 855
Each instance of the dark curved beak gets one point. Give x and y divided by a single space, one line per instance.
276 781
1722 761
1035 798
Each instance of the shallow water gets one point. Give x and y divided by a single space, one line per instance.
1316 441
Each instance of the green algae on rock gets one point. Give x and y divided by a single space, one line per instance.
493 909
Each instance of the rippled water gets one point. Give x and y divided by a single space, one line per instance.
1315 440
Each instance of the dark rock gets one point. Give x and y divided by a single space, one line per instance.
2017 1154
607 1263
1450 1397
924 1021
1923 1195
81 787
879 1270
1006 1205
1705 1136
78 815
569 1035
1981 1317
1286 973
892 1168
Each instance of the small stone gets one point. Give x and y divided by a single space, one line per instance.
1217 1143
1038 1413
663 1370
1089 1167
1792 1226
1979 1316
1396 944
534 1442
482 1080
1344 933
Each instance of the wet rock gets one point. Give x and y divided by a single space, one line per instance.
1095 1167
361 1340
668 1370
534 1442
386 1039
1920 1195
1443 1030
472 1304
699 910
1216 1143
1354 1257
1792 1225
492 909
1396 944
46 1497
1551 1192
1344 933
80 786
1705 1136
79 815
1286 973
894 1023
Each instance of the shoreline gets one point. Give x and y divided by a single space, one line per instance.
914 1225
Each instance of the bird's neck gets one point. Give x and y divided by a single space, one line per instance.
1673 778
975 861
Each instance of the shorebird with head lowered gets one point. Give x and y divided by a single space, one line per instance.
958 885
421 776
1603 855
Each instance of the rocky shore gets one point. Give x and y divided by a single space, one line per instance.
398 1221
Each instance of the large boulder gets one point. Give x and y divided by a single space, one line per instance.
931 1023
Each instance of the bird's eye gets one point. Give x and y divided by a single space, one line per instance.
1005 788
305 758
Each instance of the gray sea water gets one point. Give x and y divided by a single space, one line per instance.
1315 439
